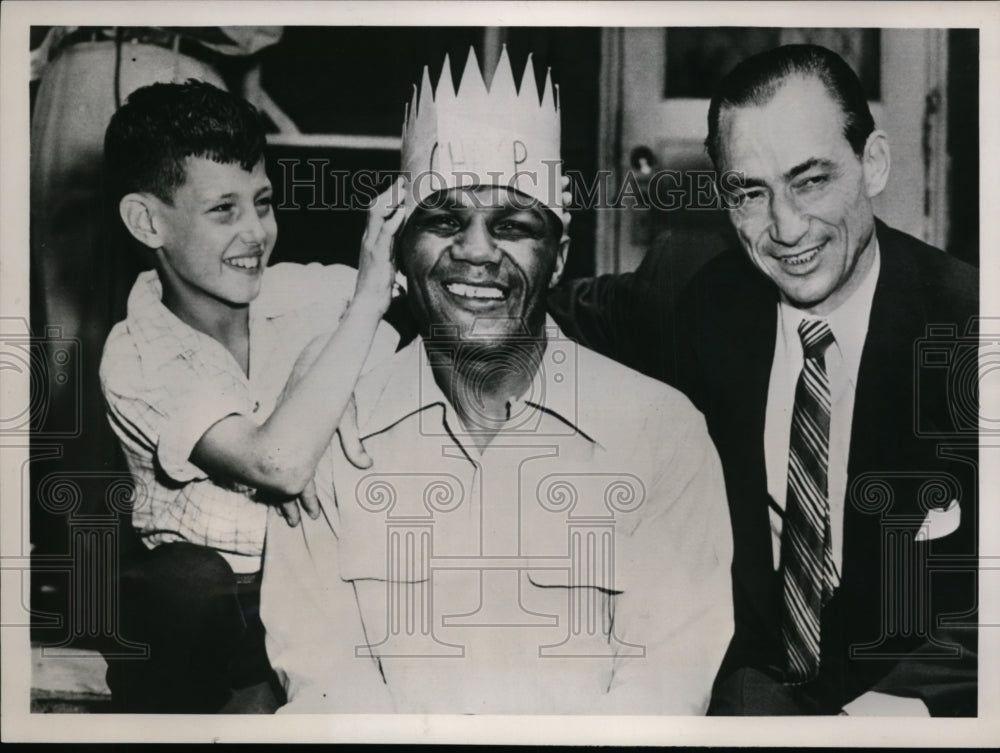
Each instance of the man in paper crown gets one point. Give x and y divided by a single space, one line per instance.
526 540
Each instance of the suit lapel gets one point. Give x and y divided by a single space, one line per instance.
883 403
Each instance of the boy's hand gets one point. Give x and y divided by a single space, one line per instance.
308 501
376 265
567 197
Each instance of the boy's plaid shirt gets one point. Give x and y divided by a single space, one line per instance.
165 384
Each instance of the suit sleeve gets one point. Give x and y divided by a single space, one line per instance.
946 684
595 310
947 688
626 317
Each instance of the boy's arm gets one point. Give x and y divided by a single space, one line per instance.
280 455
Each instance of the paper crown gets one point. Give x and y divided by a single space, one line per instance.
499 136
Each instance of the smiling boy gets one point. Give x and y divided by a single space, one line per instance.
199 387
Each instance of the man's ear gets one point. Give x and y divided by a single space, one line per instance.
560 261
876 162
138 212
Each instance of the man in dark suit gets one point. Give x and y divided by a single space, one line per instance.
832 359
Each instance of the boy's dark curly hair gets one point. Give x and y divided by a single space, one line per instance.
160 125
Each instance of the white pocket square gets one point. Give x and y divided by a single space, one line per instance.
940 521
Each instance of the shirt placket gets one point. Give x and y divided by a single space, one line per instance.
257 334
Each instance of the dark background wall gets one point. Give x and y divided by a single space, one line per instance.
357 81
963 110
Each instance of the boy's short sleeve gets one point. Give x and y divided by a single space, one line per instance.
317 293
192 412
167 409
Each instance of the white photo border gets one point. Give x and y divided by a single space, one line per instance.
18 724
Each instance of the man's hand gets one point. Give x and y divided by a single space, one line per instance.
376 263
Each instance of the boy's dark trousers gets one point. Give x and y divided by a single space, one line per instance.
202 626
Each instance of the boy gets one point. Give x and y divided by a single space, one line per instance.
198 388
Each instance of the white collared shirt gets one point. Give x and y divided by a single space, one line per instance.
849 325
445 580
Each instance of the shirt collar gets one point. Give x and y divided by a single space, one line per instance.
158 332
162 335
848 322
405 385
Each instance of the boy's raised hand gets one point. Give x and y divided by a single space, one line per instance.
376 262
567 198
279 457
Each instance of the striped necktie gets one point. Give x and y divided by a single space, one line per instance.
806 550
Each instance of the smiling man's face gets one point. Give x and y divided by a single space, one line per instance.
481 260
805 217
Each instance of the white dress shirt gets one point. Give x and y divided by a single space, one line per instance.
578 564
849 325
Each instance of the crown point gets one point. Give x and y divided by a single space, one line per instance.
445 87
472 84
547 97
426 96
503 79
529 89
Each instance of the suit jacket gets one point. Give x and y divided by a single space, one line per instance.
903 618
